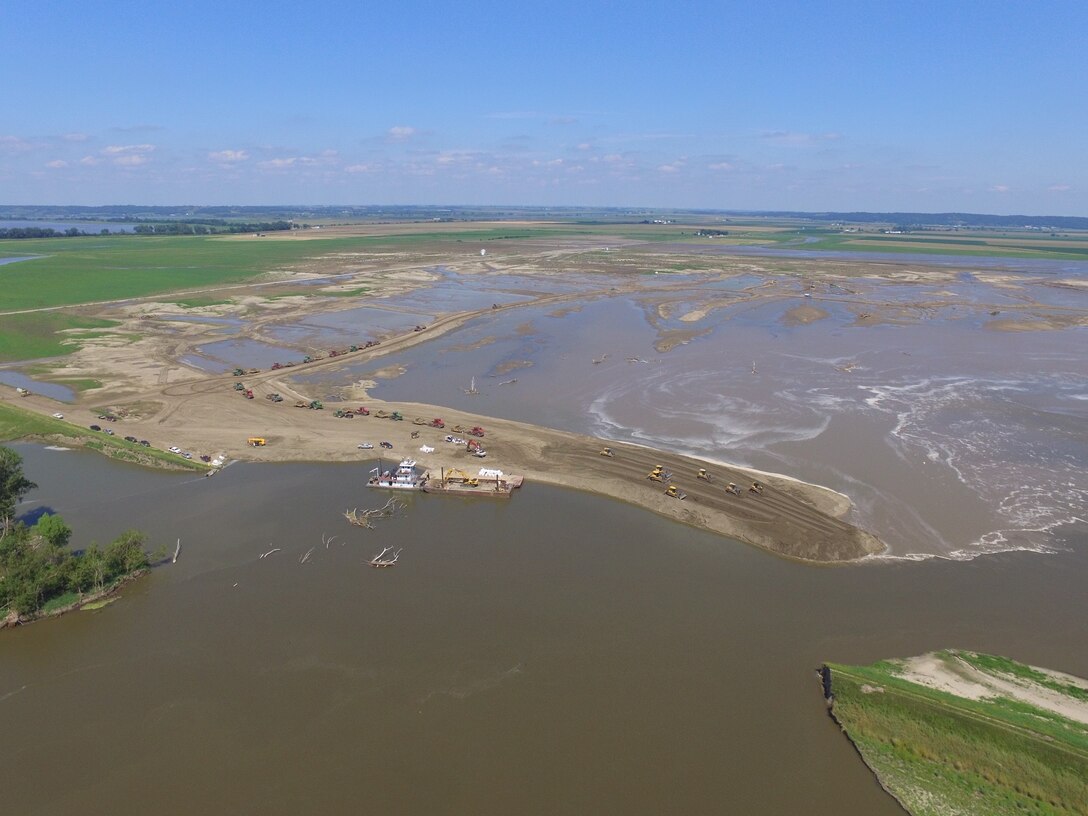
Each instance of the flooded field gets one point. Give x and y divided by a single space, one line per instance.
556 653
955 433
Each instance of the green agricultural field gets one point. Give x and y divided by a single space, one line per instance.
982 247
939 753
19 424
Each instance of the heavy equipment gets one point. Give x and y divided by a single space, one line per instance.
362 410
239 372
702 474
239 386
256 442
397 415
476 430
673 492
316 405
607 452
438 422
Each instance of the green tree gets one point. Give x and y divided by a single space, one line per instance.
13 484
52 528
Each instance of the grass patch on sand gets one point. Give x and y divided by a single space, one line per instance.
36 335
18 423
939 753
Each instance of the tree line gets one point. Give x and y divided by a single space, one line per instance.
36 565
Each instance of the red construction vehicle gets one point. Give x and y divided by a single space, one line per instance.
477 431
473 445
363 411
249 393
438 423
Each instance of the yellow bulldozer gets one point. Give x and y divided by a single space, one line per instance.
256 442
672 491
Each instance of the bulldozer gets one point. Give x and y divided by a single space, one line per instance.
239 372
256 442
673 492
756 487
239 386
607 452
703 474
732 488
656 475
307 359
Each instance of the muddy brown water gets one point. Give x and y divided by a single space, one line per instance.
557 653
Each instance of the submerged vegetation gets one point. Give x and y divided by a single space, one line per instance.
991 752
39 574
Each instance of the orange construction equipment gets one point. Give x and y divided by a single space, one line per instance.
476 431
256 442
437 422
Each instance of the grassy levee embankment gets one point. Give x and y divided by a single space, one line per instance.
17 424
940 753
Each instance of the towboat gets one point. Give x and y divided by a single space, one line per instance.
405 477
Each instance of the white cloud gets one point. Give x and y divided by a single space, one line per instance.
359 168
999 188
75 137
57 164
228 156
668 168
14 144
585 146
90 161
722 166
279 164
790 137
127 150
131 160
1059 188
400 133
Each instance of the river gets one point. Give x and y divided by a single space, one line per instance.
558 653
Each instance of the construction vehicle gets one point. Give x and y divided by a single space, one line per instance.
415 434
239 387
460 477
397 415
473 446
438 422
342 414
673 492
755 488
353 348
659 474
419 421
307 359
274 397
239 372
253 371
476 430
22 392
362 410
381 413
702 474
316 405
256 442
248 393
459 429
607 452
277 366
732 488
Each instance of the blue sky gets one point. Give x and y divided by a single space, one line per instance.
930 106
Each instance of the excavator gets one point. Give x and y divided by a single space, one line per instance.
438 422
476 430
460 477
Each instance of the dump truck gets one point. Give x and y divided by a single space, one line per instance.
256 442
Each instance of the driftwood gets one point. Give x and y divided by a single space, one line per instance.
379 561
306 557
177 552
365 518
265 555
